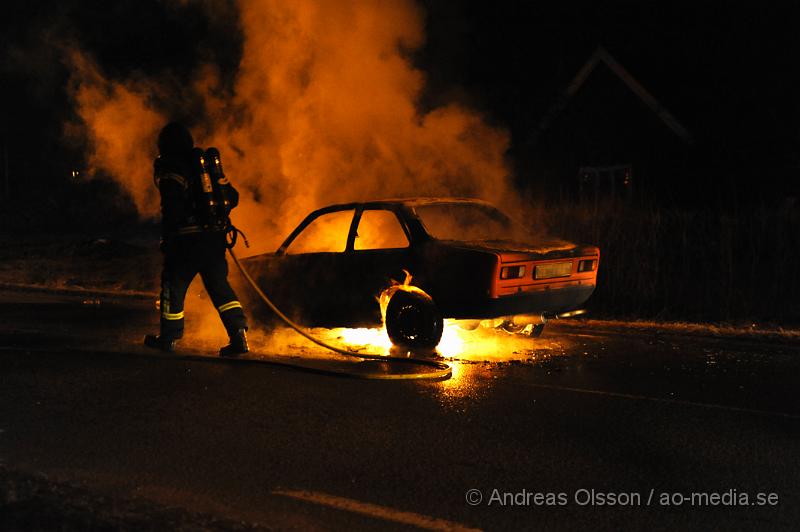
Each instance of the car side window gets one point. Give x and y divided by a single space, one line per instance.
380 229
326 234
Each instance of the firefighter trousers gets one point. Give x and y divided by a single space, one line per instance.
184 257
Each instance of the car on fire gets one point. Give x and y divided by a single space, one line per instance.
466 259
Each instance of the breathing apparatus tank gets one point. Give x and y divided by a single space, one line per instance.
206 199
218 181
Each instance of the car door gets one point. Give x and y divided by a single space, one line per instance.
308 270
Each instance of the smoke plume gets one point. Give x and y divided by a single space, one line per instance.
323 109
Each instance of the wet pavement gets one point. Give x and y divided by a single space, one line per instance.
580 428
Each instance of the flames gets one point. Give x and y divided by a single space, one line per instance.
377 339
394 286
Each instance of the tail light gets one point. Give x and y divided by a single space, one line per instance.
587 265
512 272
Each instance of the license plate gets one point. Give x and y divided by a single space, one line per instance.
554 269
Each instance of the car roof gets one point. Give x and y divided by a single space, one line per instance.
408 202
388 204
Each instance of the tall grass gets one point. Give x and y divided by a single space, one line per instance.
696 265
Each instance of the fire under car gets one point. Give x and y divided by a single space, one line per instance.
349 265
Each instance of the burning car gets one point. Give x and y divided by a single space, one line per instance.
469 262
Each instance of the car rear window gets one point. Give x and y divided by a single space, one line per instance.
466 222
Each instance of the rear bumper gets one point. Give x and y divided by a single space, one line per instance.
555 300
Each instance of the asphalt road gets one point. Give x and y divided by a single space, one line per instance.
584 429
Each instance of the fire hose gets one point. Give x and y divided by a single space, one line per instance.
442 370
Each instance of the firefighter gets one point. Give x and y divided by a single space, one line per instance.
195 203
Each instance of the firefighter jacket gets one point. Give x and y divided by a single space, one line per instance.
178 180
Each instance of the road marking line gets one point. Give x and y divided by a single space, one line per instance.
663 400
374 510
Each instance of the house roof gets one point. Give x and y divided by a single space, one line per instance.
599 56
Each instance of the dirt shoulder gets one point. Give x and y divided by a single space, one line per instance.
81 262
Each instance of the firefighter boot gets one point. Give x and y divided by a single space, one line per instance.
160 342
237 346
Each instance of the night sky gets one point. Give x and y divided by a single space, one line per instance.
726 71
721 68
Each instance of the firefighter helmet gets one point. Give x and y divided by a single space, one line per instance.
175 140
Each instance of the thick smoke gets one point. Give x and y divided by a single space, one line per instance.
121 127
323 109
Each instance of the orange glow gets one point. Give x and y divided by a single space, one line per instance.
374 340
485 343
377 341
322 110
394 286
452 343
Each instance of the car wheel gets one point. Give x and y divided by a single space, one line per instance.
413 321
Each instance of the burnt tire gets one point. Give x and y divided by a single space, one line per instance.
413 321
